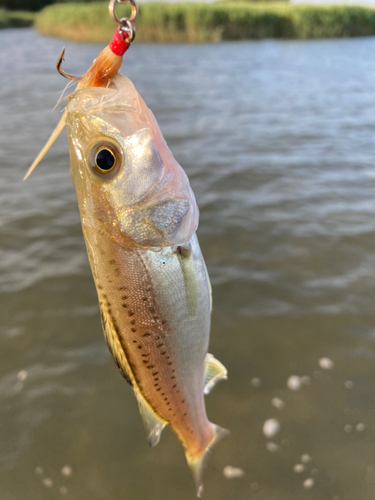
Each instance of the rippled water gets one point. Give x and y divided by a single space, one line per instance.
278 139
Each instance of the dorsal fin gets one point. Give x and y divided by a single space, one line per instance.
153 424
214 371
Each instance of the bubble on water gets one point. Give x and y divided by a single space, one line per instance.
305 458
348 428
63 490
278 403
360 427
256 382
272 447
254 486
349 384
294 383
308 483
47 481
67 471
22 375
299 468
305 380
326 364
232 472
271 427
39 471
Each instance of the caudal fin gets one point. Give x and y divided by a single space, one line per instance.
198 465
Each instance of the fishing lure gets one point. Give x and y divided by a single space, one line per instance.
139 218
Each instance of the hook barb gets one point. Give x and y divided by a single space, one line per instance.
58 67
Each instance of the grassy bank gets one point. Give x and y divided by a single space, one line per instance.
19 19
198 22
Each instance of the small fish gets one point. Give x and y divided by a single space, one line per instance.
139 218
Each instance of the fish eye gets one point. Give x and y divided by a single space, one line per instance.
105 160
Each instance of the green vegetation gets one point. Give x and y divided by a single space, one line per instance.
200 22
15 19
31 5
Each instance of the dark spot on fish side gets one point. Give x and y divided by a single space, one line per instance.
112 262
122 288
159 345
145 355
124 306
158 389
151 366
134 341
157 337
139 347
134 330
170 363
144 361
144 299
132 322
124 297
100 287
147 334
174 385
130 313
155 373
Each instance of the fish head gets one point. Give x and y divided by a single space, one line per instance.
125 176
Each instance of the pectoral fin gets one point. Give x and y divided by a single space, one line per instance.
214 371
152 422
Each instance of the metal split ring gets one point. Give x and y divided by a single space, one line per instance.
125 24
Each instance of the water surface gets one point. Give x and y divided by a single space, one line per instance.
278 140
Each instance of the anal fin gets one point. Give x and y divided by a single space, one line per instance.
214 371
153 424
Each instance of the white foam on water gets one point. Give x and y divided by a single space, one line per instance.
271 427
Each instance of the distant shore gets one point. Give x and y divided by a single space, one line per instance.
203 22
16 19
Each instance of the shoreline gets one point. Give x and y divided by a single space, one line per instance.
201 22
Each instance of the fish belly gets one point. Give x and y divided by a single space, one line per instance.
155 308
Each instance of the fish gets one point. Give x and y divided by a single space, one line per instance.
139 219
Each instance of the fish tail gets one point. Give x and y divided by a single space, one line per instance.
197 465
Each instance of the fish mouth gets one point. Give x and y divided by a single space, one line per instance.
120 96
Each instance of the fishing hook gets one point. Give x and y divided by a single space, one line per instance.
125 24
58 67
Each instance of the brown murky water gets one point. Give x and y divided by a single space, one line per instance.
278 139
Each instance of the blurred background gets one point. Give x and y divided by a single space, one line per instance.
277 138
